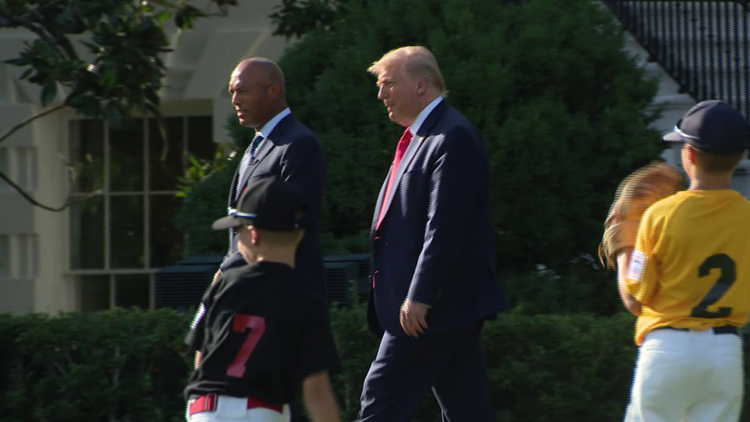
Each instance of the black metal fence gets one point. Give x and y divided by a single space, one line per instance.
703 45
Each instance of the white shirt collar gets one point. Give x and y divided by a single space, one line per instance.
271 125
423 115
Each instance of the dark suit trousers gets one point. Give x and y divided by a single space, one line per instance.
405 369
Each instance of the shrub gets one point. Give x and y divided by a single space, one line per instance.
132 365
118 365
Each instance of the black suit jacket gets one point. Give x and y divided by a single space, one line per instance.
291 152
435 244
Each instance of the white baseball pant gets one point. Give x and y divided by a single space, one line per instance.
687 376
234 409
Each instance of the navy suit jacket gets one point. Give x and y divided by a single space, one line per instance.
292 153
435 244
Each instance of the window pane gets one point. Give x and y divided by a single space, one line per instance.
87 153
87 234
4 256
133 290
167 243
126 232
126 157
165 158
200 137
93 292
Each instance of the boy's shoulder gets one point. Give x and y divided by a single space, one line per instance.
273 277
689 203
666 205
257 274
259 269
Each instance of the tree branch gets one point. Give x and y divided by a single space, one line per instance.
20 190
40 205
20 126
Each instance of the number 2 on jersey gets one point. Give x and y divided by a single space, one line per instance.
728 275
256 325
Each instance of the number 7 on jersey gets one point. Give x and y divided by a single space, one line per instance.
256 325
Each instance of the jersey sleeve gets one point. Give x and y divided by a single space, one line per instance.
317 351
196 335
643 271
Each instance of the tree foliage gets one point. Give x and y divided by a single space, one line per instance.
294 18
559 104
103 58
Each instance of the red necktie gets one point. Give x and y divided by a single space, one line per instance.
403 144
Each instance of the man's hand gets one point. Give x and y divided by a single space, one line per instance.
413 317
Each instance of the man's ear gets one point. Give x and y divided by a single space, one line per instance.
274 90
422 84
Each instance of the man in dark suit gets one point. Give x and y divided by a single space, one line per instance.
282 147
432 253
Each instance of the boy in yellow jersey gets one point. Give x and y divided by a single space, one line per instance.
688 280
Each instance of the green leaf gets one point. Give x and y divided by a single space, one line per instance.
20 61
108 79
185 16
49 93
26 73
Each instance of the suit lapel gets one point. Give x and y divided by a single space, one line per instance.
268 145
411 151
379 204
233 197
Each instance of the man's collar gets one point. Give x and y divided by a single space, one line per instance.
266 130
423 115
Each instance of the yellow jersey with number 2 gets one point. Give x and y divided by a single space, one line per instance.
691 264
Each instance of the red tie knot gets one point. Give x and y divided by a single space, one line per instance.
403 143
407 136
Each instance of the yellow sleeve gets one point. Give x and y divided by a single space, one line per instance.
643 271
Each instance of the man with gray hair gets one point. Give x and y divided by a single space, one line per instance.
432 253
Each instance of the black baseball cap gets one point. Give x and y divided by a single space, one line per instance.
713 126
269 204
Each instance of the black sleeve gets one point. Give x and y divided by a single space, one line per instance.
196 335
317 348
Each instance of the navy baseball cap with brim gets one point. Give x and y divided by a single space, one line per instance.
269 204
713 126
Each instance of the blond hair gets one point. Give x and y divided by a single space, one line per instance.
418 62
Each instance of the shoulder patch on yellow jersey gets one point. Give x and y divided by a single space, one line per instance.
637 264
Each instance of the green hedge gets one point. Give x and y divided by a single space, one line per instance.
118 365
130 365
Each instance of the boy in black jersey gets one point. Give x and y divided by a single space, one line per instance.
256 333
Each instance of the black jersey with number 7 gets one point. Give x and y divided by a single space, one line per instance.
260 333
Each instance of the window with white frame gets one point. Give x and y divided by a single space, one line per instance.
120 237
